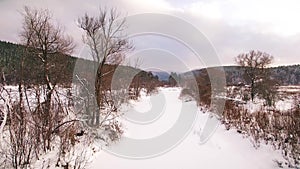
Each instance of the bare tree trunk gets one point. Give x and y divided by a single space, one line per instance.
252 90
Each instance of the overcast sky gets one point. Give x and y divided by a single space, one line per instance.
231 26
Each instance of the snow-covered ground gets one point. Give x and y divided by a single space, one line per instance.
225 149
289 89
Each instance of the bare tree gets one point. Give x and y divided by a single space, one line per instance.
104 36
32 124
255 64
43 39
40 33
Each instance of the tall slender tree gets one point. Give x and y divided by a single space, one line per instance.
104 36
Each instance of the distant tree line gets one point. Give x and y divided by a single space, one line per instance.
284 75
61 69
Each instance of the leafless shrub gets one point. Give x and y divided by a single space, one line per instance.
37 116
279 129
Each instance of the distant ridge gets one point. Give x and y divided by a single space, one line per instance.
284 75
162 76
61 70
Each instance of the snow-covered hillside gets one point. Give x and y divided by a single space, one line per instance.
225 149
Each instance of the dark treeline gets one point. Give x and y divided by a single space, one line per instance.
283 75
61 69
10 57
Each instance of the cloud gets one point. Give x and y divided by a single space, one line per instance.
231 40
232 26
266 16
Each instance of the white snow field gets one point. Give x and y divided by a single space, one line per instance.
225 149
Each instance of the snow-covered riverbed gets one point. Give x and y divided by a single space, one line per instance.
225 149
